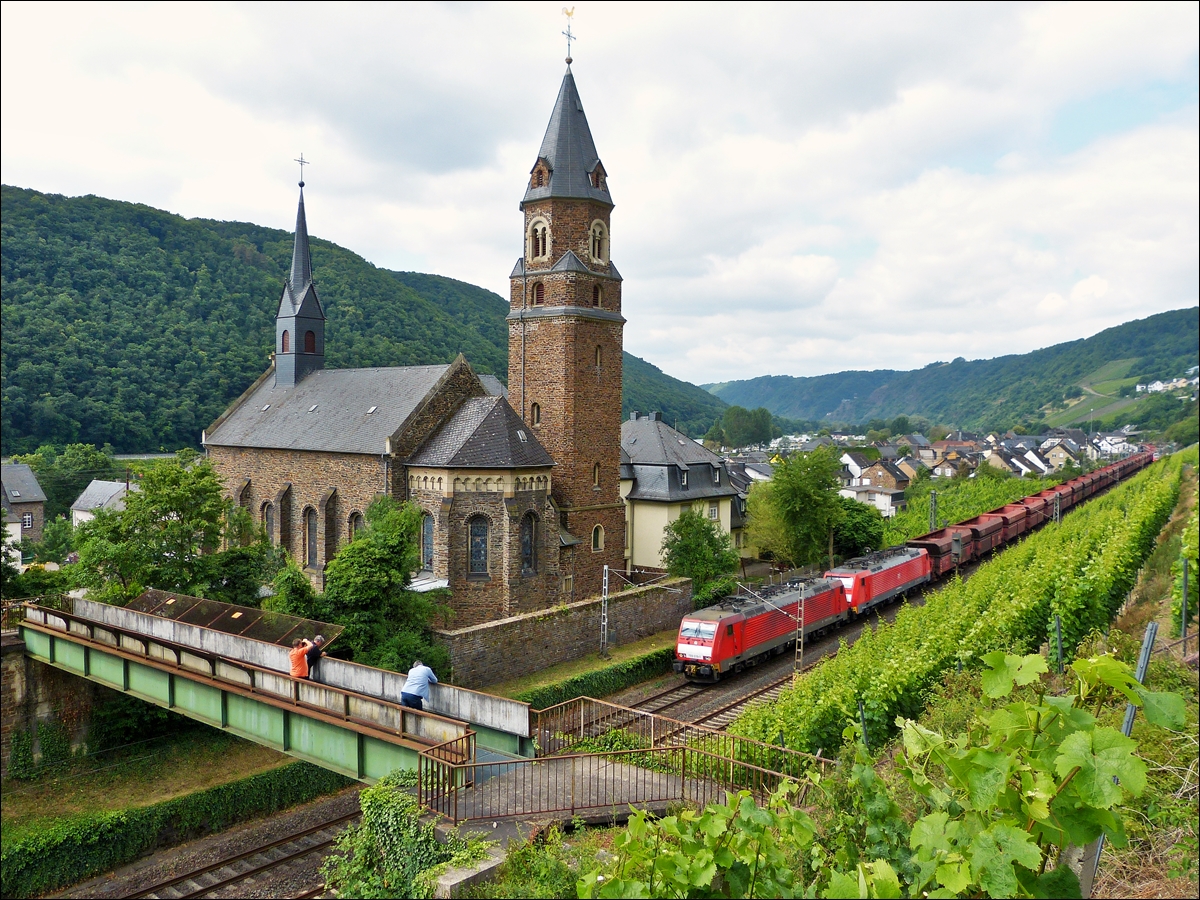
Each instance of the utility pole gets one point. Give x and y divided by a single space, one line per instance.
604 616
933 510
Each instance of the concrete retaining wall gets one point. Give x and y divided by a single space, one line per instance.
520 645
498 713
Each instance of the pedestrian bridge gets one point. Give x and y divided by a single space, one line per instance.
349 719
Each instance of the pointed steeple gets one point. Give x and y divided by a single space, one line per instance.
569 152
301 259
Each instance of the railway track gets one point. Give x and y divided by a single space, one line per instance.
253 863
670 698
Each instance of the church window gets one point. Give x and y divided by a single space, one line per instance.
535 414
596 475
599 242
310 342
539 239
287 341
539 294
477 546
599 356
597 538
427 542
540 178
310 528
595 295
355 524
268 520
529 544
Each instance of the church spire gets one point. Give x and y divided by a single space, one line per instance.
569 153
301 259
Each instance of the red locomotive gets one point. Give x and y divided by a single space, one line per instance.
742 631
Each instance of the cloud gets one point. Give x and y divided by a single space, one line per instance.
799 189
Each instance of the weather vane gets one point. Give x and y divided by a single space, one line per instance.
569 13
303 162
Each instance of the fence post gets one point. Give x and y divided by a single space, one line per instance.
1183 615
1058 640
862 718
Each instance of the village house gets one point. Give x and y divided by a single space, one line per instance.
888 501
96 496
24 504
884 473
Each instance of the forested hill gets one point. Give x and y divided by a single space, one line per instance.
127 325
987 393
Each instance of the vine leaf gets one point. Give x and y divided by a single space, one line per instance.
993 853
954 877
1005 669
1101 756
1164 709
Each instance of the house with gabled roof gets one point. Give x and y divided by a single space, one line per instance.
24 504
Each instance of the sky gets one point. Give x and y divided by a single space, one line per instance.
799 188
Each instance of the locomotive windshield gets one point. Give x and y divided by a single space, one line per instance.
702 630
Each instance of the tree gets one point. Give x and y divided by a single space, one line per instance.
63 474
901 425
113 561
803 494
698 548
56 543
10 585
860 531
743 427
715 435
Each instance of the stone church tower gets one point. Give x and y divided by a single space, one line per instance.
564 342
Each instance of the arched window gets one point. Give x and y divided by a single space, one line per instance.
595 295
596 475
287 341
310 342
268 520
598 538
535 414
427 543
529 544
539 294
539 239
599 242
310 536
355 524
477 546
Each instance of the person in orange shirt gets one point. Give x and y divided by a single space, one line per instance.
299 657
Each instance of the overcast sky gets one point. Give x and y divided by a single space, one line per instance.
800 189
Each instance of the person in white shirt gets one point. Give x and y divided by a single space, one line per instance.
416 687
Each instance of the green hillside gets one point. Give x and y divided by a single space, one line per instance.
1061 384
130 326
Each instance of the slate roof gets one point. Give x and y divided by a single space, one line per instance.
651 441
280 417
569 149
485 433
492 385
300 293
659 456
102 495
21 485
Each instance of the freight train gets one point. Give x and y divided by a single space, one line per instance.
742 631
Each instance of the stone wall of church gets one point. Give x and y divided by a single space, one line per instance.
519 645
336 486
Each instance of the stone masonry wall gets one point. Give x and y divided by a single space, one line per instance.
34 693
37 511
519 645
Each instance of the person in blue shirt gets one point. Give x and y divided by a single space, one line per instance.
416 687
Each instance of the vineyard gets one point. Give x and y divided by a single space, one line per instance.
1080 570
957 501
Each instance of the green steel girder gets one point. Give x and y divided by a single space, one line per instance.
349 748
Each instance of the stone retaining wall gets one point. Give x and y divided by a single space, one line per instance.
519 645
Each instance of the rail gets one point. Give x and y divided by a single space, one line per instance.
585 721
605 784
334 704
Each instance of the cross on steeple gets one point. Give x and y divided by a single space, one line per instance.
303 162
569 13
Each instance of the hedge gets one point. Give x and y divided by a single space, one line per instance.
601 682
69 850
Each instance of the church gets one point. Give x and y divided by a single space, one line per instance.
520 486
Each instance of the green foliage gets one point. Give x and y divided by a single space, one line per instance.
696 547
293 595
1186 431
63 472
601 682
390 853
1189 538
118 719
1081 569
129 326
743 427
981 394
799 507
56 543
54 743
860 530
20 759
67 850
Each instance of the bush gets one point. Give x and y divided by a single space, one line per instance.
67 850
600 682
20 757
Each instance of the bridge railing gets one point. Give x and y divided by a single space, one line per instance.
597 724
604 784
388 718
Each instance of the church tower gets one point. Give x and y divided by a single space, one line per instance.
300 322
565 341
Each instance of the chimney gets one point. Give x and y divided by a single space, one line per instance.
633 415
656 417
